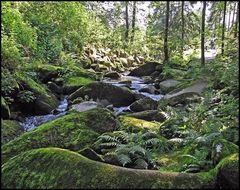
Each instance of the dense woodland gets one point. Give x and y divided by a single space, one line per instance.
120 94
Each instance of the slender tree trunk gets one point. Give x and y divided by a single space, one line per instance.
223 26
237 20
229 15
203 34
133 20
127 23
165 46
233 18
182 27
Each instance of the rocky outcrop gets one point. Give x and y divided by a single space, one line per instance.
146 69
113 75
98 90
144 104
5 111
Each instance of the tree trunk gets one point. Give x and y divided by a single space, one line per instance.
229 15
127 24
223 26
237 20
133 20
182 27
165 46
203 34
233 18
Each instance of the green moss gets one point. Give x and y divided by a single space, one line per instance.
10 129
137 124
74 130
58 168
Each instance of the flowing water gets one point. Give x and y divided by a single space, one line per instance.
31 122
133 83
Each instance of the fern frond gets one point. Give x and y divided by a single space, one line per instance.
124 159
137 150
152 142
108 138
108 145
149 135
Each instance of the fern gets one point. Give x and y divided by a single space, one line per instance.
108 138
140 164
108 145
124 159
152 142
149 135
137 150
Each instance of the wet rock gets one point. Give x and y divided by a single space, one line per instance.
167 85
84 106
147 79
146 69
150 115
98 90
149 89
144 104
113 75
155 74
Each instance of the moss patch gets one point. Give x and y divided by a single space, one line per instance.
5 112
74 131
59 168
137 124
10 129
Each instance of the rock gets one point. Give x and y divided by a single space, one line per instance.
149 89
69 170
124 61
91 154
45 100
167 85
147 79
54 88
144 104
155 74
111 158
113 75
187 95
84 106
5 111
98 90
228 173
144 70
135 125
150 115
75 131
130 60
10 129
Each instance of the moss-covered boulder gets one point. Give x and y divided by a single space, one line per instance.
5 112
146 69
167 85
91 154
144 104
137 124
74 131
98 90
59 168
150 115
228 173
222 148
10 129
44 101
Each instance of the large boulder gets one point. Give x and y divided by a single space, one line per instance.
98 90
5 111
144 104
228 173
45 101
69 170
84 106
74 131
150 115
10 129
146 69
167 85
